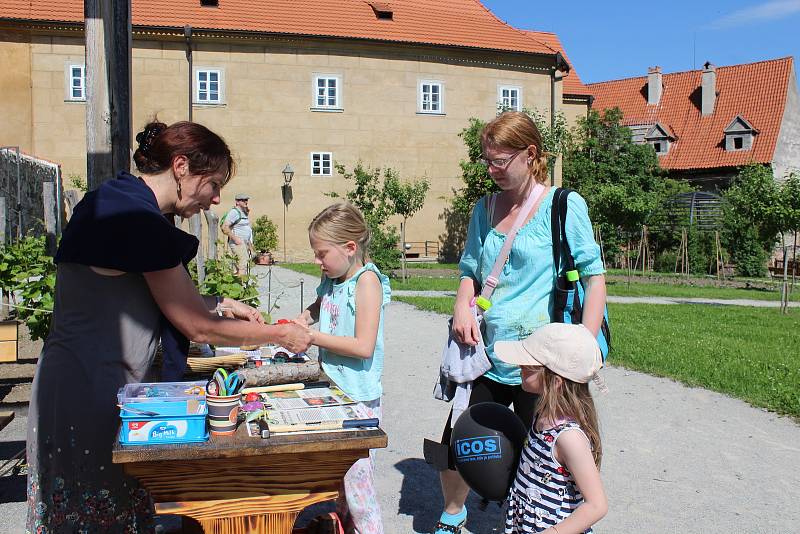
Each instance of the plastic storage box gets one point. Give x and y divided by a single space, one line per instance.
174 412
173 422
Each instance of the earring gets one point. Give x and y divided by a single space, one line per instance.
179 190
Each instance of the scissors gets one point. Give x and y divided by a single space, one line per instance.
224 384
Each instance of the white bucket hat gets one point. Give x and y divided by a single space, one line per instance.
569 350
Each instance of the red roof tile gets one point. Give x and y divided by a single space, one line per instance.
572 82
756 91
465 23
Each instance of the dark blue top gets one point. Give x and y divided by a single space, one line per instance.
119 226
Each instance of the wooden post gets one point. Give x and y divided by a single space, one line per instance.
196 229
212 221
108 88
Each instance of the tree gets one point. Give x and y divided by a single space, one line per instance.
787 218
371 197
751 219
620 180
265 234
407 199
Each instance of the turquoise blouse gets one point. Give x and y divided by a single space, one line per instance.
360 378
522 300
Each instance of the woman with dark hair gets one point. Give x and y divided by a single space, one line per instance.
120 268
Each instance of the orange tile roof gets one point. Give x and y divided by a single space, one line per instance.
756 91
463 23
572 82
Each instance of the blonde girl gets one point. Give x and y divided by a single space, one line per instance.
349 307
557 489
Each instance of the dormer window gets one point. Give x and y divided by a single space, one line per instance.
660 138
739 135
383 10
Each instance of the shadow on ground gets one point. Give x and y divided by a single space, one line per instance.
421 498
13 479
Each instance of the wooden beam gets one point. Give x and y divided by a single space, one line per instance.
108 88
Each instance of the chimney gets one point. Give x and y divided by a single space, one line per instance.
709 88
653 85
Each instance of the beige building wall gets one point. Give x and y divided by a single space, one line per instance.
267 118
16 110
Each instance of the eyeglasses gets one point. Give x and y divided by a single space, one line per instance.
500 163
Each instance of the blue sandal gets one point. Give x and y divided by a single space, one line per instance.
451 523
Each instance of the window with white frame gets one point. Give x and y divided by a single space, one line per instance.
321 164
327 91
509 97
76 82
208 88
431 97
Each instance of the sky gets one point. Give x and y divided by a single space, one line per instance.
622 38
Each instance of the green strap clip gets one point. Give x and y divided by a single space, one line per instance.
483 303
572 276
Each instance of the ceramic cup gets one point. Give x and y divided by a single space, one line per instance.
222 414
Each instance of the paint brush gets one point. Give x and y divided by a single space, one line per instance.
286 387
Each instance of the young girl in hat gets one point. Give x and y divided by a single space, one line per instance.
557 488
349 308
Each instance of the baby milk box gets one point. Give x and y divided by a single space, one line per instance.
165 412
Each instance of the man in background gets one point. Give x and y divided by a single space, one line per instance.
236 225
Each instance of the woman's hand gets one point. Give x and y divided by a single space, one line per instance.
293 336
240 310
465 328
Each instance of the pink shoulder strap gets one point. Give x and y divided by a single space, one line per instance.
491 281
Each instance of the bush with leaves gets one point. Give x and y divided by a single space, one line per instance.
373 198
265 234
750 220
28 276
221 280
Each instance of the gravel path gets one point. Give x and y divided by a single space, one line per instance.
677 459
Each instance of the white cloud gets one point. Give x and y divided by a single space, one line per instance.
766 11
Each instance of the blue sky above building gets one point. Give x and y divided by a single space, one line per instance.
621 38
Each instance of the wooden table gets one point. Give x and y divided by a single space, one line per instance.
242 484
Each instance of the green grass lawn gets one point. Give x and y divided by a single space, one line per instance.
615 287
749 353
641 289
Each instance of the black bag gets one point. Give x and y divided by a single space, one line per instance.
569 293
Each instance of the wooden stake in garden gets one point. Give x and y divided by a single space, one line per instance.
683 254
643 253
719 257
598 237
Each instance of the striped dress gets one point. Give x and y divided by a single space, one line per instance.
544 492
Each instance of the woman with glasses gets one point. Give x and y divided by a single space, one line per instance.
521 302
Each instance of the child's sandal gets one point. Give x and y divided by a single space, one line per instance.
455 529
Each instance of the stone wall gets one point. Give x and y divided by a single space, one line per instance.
23 181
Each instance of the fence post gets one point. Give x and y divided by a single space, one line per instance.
196 229
4 299
50 222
